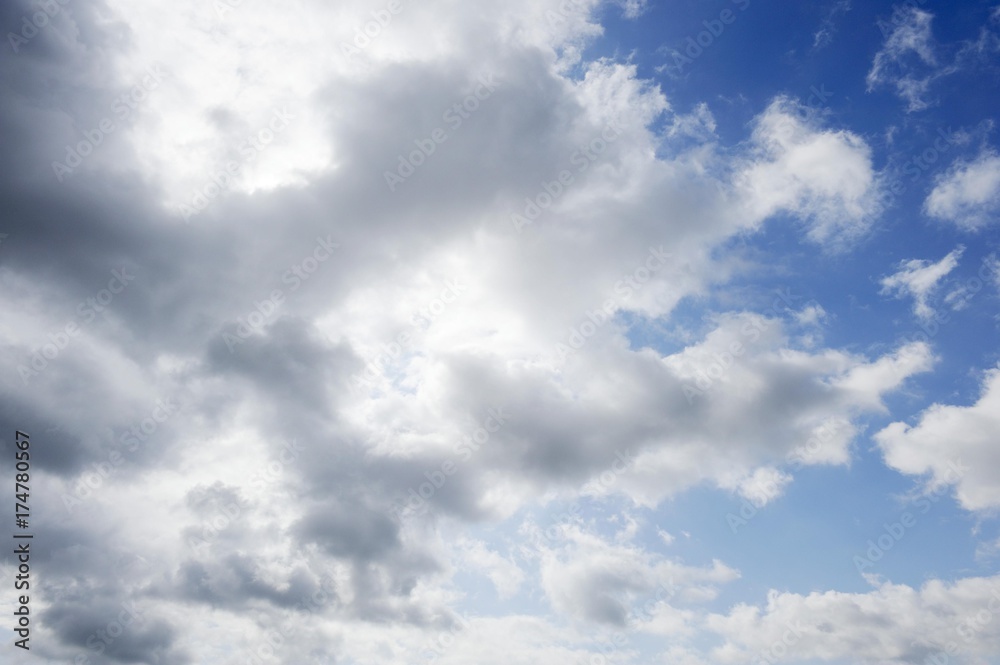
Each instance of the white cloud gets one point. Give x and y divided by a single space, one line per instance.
505 574
811 315
919 279
955 445
823 176
764 485
608 420
591 579
968 194
910 35
895 624
633 9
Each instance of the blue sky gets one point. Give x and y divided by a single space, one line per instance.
564 331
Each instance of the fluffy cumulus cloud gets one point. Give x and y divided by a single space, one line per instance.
954 445
821 175
968 194
322 310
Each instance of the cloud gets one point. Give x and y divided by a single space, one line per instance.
506 575
763 485
919 279
908 48
633 9
268 496
894 624
824 177
954 445
824 36
600 582
968 194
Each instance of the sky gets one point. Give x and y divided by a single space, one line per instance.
581 332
